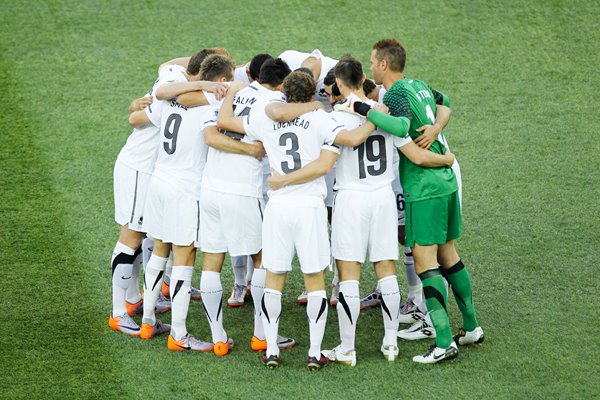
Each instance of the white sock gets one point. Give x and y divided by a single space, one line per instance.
122 265
316 309
249 270
390 307
181 279
168 269
238 263
133 290
147 248
212 296
271 310
257 287
153 277
348 310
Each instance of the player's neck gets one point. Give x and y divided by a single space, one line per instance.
357 92
391 78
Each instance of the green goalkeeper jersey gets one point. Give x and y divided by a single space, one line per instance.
416 101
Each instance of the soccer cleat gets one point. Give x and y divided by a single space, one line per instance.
373 299
148 331
188 343
314 364
436 354
165 290
336 355
282 342
303 298
419 330
163 304
271 362
134 308
410 313
335 292
195 294
124 323
464 338
237 297
248 294
222 349
390 352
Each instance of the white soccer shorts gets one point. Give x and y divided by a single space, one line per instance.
295 223
230 223
130 188
364 222
170 215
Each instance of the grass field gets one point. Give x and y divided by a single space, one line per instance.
523 79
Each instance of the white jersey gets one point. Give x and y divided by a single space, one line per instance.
139 152
182 150
240 75
368 166
291 145
237 173
295 59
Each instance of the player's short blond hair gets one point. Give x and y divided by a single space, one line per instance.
216 66
299 87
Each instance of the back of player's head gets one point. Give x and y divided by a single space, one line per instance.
273 72
305 70
299 87
195 62
216 66
349 71
393 52
368 86
256 63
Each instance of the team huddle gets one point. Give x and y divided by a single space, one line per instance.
244 161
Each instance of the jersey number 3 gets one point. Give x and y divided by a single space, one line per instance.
292 151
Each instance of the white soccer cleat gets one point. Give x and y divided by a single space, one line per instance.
390 352
419 330
303 298
373 299
335 294
410 313
436 354
124 323
237 297
464 338
336 355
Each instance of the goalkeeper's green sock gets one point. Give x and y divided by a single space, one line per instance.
460 281
435 298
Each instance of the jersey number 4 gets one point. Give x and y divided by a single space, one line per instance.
171 130
379 157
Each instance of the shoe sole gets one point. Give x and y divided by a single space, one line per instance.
478 341
235 304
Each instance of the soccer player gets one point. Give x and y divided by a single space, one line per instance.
231 202
365 215
133 168
172 210
432 201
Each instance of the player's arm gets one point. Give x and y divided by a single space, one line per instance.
313 170
425 158
170 90
429 133
138 118
356 136
226 120
140 104
183 61
283 112
222 142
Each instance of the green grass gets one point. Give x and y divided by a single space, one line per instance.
522 77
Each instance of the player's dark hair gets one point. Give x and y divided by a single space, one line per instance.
299 87
195 62
329 80
393 52
273 72
256 63
349 70
193 67
368 86
305 70
216 66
